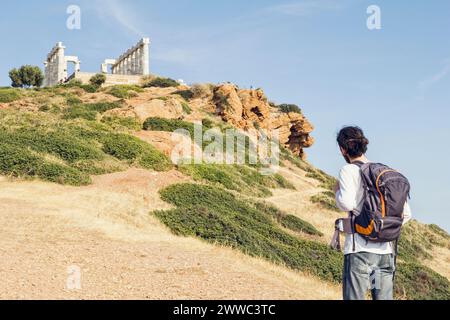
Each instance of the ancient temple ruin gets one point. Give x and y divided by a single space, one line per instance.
128 68
56 65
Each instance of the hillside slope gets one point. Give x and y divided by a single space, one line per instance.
87 181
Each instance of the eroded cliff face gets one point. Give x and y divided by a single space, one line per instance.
250 109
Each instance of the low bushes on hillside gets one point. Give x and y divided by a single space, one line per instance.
217 216
202 90
56 143
186 108
124 91
414 281
98 80
119 123
326 200
126 147
236 177
287 108
21 162
287 220
89 111
68 151
76 83
161 83
185 94
168 125
8 95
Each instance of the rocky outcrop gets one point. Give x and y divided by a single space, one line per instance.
294 131
250 109
169 108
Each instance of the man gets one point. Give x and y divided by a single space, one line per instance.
367 264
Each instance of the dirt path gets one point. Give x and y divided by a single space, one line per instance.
122 251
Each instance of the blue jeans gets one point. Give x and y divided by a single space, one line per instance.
365 271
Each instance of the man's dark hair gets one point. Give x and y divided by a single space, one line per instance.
353 141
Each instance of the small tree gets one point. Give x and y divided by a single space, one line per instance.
27 76
98 80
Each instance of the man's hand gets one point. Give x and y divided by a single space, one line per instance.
337 187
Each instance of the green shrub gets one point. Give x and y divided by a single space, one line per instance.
74 83
168 125
89 111
123 146
439 231
161 83
287 108
186 108
44 108
240 178
55 172
296 224
59 144
89 88
79 111
102 107
282 182
326 201
17 161
213 173
207 123
185 94
126 147
288 221
117 122
98 80
124 91
38 138
9 95
72 100
219 217
417 241
415 281
64 146
154 159
95 167
20 162
202 90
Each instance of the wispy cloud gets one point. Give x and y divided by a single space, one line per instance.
124 16
305 8
429 82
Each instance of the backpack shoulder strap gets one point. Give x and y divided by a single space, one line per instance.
358 163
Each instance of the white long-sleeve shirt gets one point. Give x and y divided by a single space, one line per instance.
350 197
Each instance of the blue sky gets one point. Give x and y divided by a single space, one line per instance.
393 82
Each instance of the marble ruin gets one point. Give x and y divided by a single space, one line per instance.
127 69
56 65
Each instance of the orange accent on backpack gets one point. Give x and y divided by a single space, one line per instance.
383 204
365 231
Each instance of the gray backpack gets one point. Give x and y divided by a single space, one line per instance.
386 191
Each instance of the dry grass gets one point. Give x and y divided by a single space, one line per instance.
122 251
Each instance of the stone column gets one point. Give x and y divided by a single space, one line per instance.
104 68
128 62
45 73
133 62
77 63
146 57
125 65
51 71
61 62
